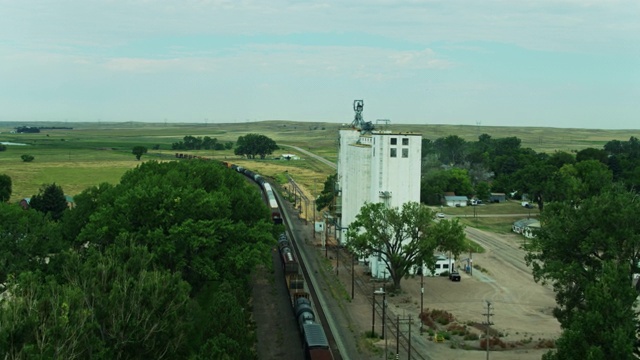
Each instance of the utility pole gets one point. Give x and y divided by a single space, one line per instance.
409 337
337 259
470 262
421 295
487 324
353 255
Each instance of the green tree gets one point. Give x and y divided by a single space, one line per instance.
50 200
5 187
251 145
483 190
404 238
451 149
434 185
138 151
26 241
27 158
590 253
328 193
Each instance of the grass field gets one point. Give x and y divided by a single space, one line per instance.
92 153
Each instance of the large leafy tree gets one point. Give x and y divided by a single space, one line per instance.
5 187
50 200
404 237
251 145
590 253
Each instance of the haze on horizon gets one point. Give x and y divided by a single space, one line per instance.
545 63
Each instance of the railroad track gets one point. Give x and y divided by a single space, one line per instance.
335 343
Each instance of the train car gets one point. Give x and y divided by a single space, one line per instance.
276 216
303 312
316 345
289 262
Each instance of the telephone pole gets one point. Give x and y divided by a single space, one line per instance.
487 324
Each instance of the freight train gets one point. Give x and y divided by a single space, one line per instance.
276 216
316 345
314 339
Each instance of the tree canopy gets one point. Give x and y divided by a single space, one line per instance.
590 253
251 145
157 267
405 237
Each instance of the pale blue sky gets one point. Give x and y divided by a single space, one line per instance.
553 63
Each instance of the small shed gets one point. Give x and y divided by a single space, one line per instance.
457 201
498 197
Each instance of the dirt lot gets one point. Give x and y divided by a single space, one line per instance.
522 309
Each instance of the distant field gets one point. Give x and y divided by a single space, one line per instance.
92 153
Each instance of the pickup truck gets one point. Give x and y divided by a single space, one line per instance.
454 276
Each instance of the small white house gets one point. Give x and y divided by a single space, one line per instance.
457 201
443 264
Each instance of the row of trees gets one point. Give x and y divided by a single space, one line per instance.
502 165
155 267
200 143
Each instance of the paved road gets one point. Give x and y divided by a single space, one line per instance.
317 157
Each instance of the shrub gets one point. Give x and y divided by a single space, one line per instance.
27 158
471 336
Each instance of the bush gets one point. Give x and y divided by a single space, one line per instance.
471 336
27 158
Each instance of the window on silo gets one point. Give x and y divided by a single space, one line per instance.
394 141
405 141
394 152
405 153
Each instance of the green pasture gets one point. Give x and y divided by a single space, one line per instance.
497 225
92 153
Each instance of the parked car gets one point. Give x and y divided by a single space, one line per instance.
454 275
440 215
